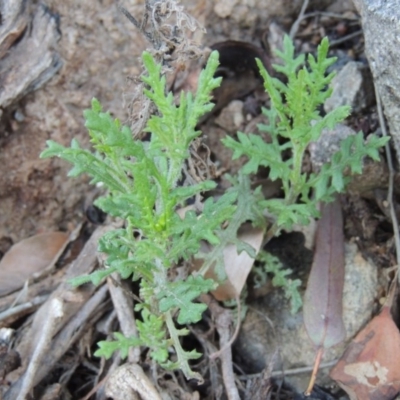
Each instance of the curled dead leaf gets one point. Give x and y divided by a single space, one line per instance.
237 266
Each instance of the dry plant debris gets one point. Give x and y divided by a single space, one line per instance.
29 257
323 297
370 367
62 329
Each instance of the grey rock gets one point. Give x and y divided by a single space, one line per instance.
341 6
381 24
328 144
269 324
231 117
352 86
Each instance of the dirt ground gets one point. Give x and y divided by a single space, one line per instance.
100 52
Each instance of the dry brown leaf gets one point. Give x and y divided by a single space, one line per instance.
370 367
323 298
28 257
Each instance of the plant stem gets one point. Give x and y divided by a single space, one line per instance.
180 353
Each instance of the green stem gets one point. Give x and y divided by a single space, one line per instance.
298 152
294 192
180 353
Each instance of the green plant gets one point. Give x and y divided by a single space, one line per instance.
270 264
143 179
295 122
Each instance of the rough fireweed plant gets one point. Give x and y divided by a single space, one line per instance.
143 178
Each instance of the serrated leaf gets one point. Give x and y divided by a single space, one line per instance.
269 264
181 294
95 277
53 149
122 343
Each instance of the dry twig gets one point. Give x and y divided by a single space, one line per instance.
391 179
223 320
296 24
123 305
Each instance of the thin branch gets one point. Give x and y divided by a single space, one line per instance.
330 15
23 308
345 38
287 372
55 312
123 305
235 334
391 179
136 23
222 323
295 26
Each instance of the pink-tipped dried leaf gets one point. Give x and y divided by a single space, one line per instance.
323 297
28 257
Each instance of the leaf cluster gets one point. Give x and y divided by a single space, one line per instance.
142 179
294 121
270 264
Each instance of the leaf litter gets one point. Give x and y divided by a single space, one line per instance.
370 367
29 257
323 297
65 318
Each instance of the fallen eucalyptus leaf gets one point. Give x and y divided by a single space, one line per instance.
28 257
323 297
323 307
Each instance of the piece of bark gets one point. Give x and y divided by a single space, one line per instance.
43 287
32 61
56 347
14 19
130 381
73 298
